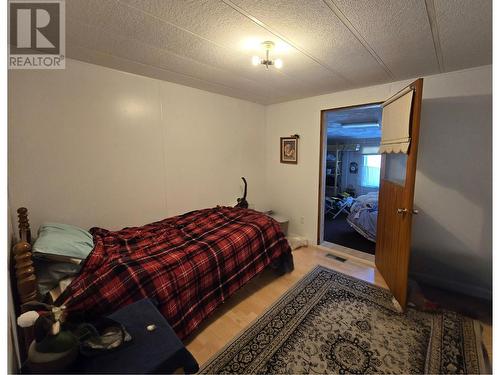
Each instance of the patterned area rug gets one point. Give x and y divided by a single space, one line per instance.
332 323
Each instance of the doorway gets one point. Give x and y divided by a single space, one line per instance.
350 177
400 115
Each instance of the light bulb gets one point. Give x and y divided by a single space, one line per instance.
255 60
278 63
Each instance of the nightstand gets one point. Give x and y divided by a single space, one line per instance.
282 221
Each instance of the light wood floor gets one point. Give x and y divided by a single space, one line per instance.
259 294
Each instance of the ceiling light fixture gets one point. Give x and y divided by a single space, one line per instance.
361 125
267 61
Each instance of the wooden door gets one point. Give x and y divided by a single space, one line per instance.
397 186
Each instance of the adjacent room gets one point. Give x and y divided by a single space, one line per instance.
249 186
352 176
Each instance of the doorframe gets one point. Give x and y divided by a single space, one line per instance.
322 170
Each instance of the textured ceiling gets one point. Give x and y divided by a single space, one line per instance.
357 115
326 45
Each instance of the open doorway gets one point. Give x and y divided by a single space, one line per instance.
350 176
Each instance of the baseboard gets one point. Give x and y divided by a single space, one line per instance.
455 286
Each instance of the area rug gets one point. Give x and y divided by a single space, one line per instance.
332 323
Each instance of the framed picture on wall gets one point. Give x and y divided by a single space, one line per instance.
288 150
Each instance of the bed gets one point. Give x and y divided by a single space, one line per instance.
363 215
189 264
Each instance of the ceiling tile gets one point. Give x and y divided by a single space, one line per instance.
326 45
135 25
465 31
228 28
398 31
89 37
212 20
313 27
115 62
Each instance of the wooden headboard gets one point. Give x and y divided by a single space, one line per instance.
23 263
25 284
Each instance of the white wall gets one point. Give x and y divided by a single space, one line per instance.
94 146
452 234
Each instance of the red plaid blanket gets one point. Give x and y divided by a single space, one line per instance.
189 263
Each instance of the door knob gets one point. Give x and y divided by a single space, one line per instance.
414 212
402 211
